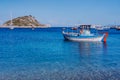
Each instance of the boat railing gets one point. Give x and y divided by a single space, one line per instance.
77 31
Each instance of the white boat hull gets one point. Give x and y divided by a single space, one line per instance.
86 39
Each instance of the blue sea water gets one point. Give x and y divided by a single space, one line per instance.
43 54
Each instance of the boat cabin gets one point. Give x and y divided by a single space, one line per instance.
85 30
85 27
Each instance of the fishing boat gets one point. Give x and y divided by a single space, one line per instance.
118 28
99 27
84 34
102 28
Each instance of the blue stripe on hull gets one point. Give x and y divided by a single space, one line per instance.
83 38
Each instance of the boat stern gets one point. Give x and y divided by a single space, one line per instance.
105 37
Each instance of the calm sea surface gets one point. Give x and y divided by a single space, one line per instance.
42 54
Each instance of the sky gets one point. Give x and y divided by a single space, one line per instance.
63 12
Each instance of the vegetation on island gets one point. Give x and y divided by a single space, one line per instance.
29 21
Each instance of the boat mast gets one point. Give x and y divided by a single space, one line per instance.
11 19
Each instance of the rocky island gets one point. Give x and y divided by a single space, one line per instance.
24 22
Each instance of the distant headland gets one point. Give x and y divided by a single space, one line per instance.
24 22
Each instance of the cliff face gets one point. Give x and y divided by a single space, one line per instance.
23 21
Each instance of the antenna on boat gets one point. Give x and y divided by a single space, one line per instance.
67 27
11 18
72 29
77 28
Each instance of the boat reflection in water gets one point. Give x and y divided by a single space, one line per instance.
88 48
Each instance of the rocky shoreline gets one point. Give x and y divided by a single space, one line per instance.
25 26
